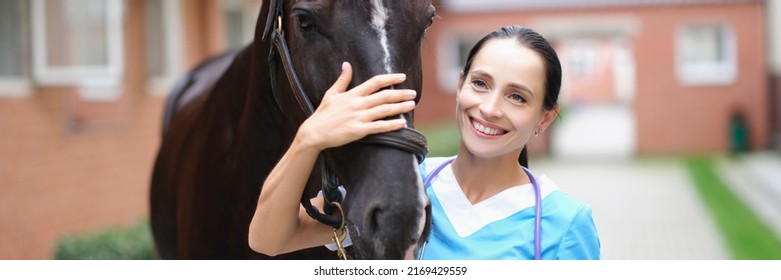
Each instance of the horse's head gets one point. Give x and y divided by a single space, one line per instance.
386 206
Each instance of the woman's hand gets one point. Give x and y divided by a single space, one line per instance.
341 118
345 116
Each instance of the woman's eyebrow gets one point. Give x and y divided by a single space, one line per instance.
522 87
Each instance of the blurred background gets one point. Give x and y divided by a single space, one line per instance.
670 126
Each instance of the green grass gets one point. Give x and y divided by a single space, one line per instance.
747 237
443 138
112 243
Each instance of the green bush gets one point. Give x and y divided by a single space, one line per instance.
443 138
113 243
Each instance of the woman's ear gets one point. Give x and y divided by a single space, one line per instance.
460 83
548 117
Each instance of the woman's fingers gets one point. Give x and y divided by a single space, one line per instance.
377 82
366 88
391 109
390 96
382 126
344 79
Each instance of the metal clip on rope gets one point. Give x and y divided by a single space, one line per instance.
340 233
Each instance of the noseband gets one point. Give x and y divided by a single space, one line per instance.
405 139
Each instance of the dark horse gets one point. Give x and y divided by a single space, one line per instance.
230 120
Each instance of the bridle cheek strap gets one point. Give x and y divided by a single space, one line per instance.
406 139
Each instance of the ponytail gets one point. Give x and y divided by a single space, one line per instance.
523 159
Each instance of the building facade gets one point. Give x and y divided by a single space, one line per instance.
83 83
640 77
82 87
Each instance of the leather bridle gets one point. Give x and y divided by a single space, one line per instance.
405 139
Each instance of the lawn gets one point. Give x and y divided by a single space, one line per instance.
747 237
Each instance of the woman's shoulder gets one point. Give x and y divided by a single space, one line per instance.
571 219
560 201
436 160
432 162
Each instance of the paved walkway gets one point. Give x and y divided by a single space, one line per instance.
644 209
756 178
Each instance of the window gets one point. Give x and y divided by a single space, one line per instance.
452 55
78 43
583 57
240 20
14 60
706 54
163 44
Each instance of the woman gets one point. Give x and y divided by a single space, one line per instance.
483 200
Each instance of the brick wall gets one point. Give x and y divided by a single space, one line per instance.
68 165
671 118
56 179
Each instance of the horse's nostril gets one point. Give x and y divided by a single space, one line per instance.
374 220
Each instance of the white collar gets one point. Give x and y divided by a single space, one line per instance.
467 218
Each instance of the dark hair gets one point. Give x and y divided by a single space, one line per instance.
534 41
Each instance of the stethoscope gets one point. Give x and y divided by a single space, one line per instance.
537 207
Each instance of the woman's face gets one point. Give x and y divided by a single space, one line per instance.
500 101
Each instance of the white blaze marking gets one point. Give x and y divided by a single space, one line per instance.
379 19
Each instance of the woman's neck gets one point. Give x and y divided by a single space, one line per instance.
481 178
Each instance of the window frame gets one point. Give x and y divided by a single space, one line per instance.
723 72
449 56
97 82
19 86
249 11
160 85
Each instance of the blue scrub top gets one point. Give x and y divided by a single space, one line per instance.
502 227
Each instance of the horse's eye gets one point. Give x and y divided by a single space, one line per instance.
305 23
433 15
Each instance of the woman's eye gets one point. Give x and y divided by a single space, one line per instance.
517 98
479 84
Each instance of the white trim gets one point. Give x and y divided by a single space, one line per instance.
624 70
172 26
468 218
249 9
716 73
84 77
774 32
447 55
251 12
14 87
613 25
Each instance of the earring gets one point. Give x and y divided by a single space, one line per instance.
538 132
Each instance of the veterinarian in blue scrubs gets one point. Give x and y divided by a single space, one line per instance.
485 203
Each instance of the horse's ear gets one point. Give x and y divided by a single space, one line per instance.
274 10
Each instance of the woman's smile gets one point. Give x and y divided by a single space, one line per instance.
485 129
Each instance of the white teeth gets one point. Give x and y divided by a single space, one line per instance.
486 130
